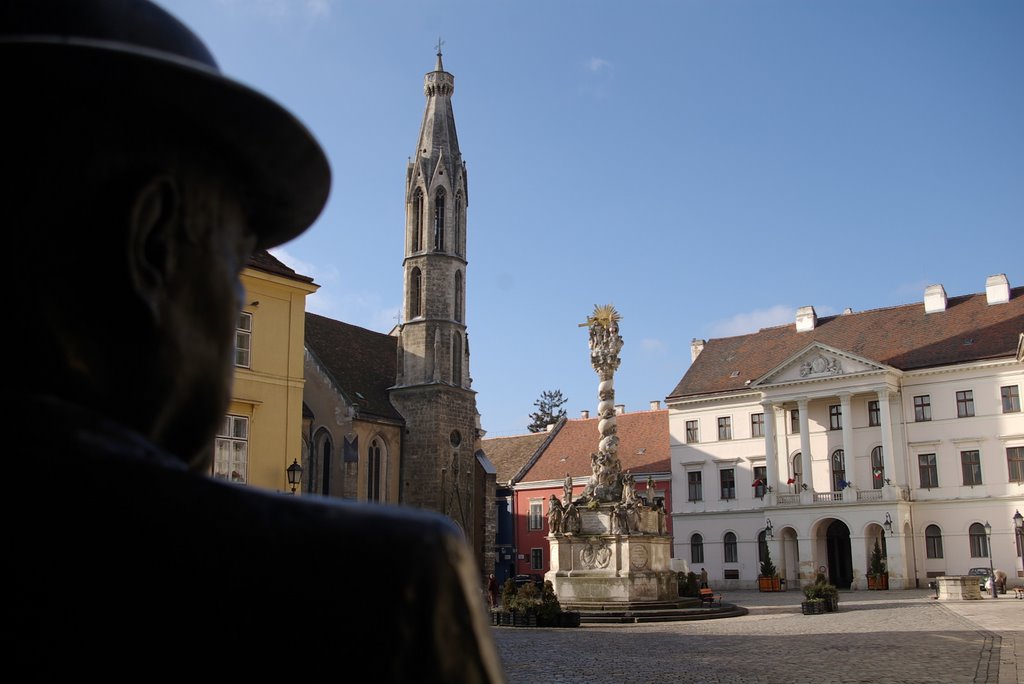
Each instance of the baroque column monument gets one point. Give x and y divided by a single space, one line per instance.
610 549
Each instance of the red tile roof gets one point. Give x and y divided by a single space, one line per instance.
904 337
510 454
643 446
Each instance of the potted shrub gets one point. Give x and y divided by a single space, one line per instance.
549 611
820 597
525 605
769 579
878 578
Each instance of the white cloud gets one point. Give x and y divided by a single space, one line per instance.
752 321
598 65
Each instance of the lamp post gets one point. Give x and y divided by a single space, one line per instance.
888 524
769 532
294 474
1018 528
991 568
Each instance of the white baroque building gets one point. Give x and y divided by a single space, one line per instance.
815 439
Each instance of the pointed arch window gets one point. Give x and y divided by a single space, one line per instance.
417 221
415 293
458 296
877 468
439 220
326 456
838 470
456 359
457 225
373 470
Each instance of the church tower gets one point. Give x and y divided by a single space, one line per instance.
440 468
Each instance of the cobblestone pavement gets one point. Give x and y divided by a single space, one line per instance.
884 637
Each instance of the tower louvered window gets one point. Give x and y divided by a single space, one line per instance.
439 221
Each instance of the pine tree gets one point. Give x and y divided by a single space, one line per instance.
549 410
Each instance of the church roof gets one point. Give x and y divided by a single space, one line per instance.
643 447
361 362
904 337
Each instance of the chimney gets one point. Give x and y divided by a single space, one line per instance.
551 426
997 289
806 319
696 347
584 414
934 299
655 405
620 409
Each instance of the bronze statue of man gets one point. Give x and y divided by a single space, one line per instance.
137 181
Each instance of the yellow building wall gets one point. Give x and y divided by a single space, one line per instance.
269 392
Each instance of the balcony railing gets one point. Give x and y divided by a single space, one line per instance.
827 497
869 495
788 499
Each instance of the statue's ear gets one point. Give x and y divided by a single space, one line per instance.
154 220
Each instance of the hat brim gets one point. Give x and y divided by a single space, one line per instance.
285 172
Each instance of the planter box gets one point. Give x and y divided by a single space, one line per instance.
524 619
506 619
812 607
769 583
878 581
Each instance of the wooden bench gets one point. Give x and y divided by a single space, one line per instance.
710 598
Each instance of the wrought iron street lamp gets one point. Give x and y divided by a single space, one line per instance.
294 474
887 524
769 532
991 568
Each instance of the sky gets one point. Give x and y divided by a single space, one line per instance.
704 166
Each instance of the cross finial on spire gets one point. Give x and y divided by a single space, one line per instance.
439 44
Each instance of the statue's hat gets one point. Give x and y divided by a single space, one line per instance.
134 54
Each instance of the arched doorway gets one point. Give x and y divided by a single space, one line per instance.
840 559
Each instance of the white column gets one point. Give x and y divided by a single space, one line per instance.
770 447
886 419
805 446
847 418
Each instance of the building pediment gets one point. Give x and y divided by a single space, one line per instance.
819 362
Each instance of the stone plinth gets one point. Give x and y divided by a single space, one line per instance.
596 568
958 587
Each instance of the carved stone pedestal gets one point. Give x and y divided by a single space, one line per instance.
600 569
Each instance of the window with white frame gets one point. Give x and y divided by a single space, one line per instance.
835 417
965 403
838 470
1015 463
695 488
727 477
731 552
979 542
877 468
692 432
757 425
1011 398
725 428
929 471
874 414
933 541
243 340
696 548
970 462
536 519
231 450
794 421
922 408
760 481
